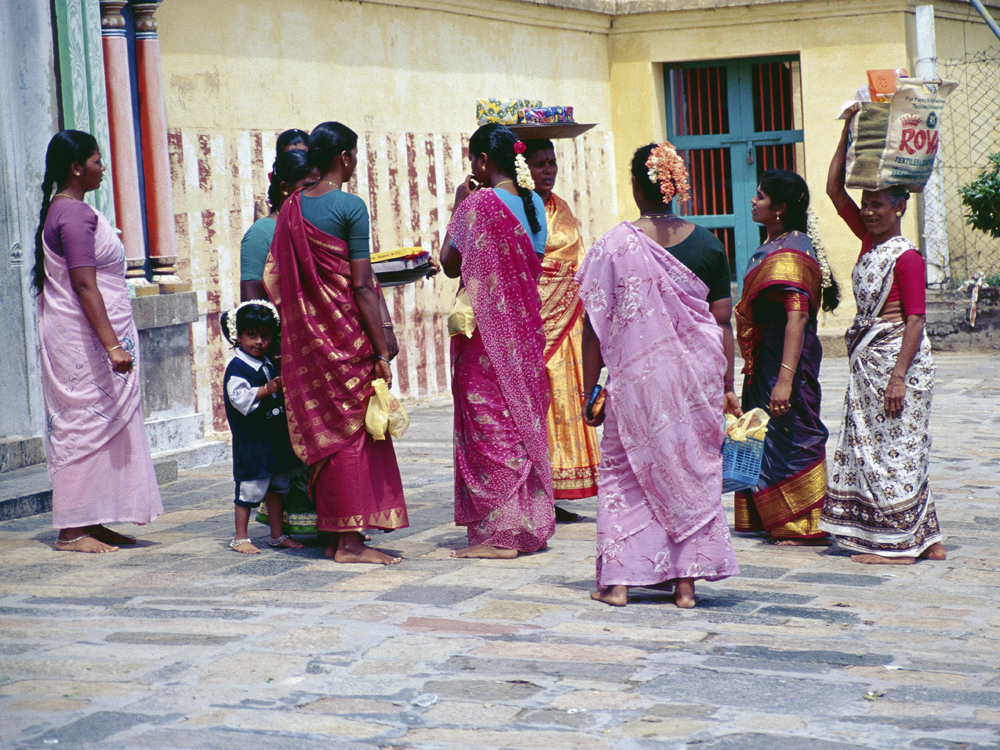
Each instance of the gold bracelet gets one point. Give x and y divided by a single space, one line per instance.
790 369
390 326
116 347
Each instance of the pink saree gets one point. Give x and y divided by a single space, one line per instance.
659 512
95 441
328 369
503 481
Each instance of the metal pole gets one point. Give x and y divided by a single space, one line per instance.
935 230
986 17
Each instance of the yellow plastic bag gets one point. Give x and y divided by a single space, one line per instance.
462 319
753 424
385 414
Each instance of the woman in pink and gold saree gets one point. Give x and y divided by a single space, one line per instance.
98 453
573 445
660 522
503 482
335 340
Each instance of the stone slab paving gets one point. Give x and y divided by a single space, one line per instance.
181 643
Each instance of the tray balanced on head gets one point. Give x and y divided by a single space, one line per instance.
550 130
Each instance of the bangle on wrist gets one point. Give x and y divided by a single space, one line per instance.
390 326
790 369
382 358
116 347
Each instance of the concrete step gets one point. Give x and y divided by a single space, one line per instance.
28 492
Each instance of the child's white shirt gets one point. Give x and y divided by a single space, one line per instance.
242 395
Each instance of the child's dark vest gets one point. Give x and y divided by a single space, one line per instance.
261 447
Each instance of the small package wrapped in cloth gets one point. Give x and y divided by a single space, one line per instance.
753 424
385 415
503 111
895 142
541 115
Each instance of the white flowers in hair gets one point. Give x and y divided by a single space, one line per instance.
812 230
230 326
524 179
653 172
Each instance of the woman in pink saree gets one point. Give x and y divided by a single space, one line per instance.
98 453
660 521
503 480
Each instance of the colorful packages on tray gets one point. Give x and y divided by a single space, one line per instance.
895 142
540 115
503 111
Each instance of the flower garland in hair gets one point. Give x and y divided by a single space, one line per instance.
524 178
666 169
229 325
812 229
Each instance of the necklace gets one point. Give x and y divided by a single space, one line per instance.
502 182
67 195
335 185
658 216
779 237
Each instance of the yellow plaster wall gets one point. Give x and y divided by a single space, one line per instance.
374 66
836 42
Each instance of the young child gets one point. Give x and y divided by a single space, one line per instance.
255 408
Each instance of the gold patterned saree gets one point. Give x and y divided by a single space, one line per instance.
573 446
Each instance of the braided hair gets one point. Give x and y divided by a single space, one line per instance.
329 140
67 147
290 138
497 142
290 167
785 187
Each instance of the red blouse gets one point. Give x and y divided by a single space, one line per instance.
909 284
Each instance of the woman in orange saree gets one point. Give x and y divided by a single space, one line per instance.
573 446
335 341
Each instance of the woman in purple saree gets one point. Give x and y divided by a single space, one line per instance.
669 354
503 480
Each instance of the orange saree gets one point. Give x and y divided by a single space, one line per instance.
573 446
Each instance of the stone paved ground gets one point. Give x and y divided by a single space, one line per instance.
180 643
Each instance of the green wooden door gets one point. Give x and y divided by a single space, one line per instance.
731 120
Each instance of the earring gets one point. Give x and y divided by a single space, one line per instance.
899 213
76 173
284 192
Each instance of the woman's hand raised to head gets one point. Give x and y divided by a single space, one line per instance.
466 189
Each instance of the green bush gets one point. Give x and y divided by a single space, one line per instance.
982 197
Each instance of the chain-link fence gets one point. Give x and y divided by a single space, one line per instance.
970 132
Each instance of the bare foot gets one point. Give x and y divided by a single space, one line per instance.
879 560
935 552
485 552
84 544
288 543
351 549
616 596
684 593
106 535
821 541
246 547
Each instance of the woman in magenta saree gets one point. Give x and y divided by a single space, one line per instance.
333 345
783 292
503 480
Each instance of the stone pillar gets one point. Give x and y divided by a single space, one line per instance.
124 159
155 154
81 82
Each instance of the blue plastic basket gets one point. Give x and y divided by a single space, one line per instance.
741 463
